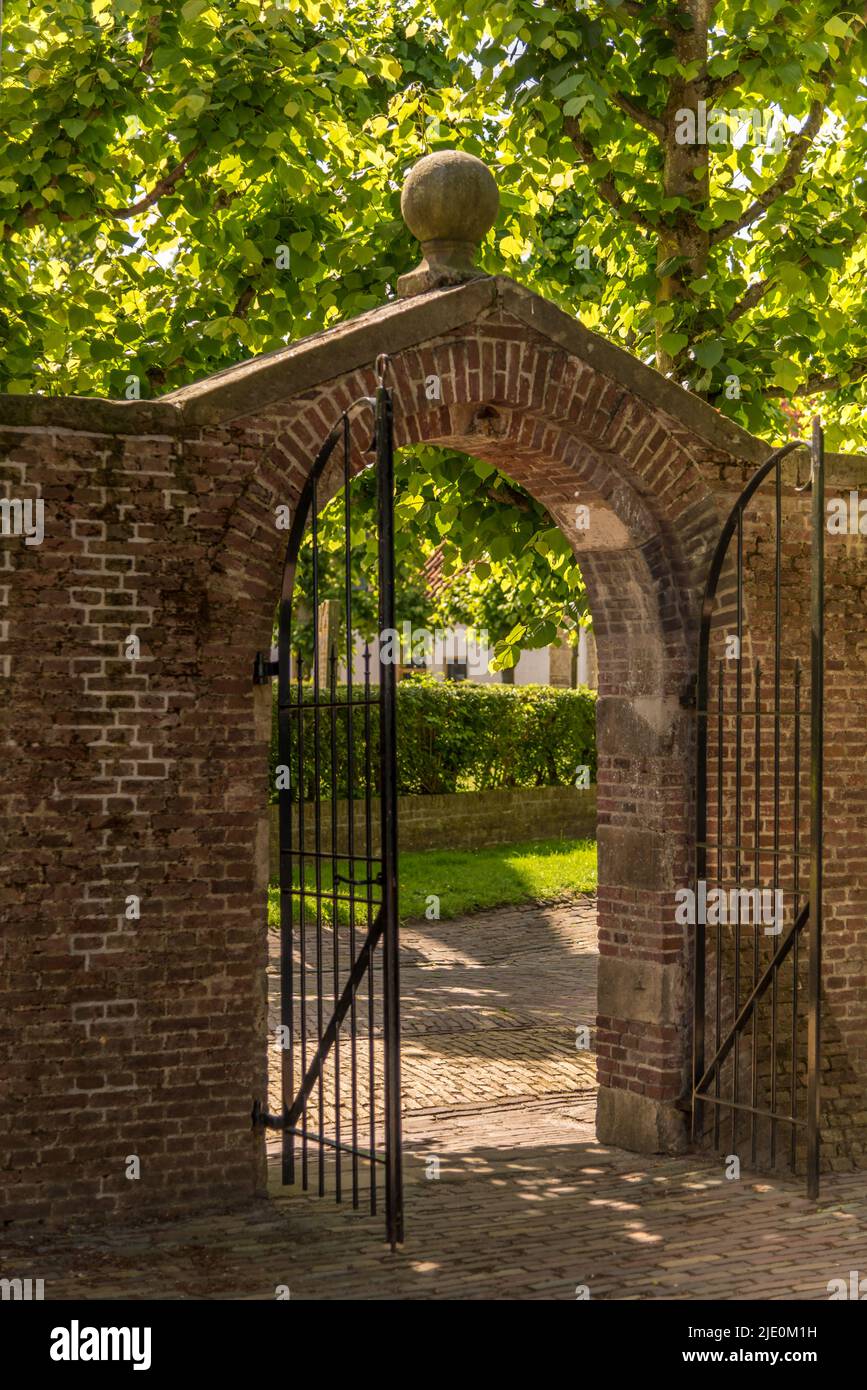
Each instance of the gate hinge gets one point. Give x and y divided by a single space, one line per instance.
264 669
262 1120
687 698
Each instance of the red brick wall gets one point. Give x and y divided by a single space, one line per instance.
148 1037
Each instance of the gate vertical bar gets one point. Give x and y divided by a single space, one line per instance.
796 902
388 804
317 833
817 697
287 945
739 741
700 957
778 649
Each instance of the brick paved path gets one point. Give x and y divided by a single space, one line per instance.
489 1008
527 1204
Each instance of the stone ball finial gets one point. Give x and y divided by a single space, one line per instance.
449 201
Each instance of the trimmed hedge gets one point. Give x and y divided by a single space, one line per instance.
458 736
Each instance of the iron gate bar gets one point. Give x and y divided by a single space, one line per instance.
388 807
778 642
733 530
332 1143
761 1114
757 805
335 934
328 1038
796 876
817 701
757 992
739 695
371 1069
317 719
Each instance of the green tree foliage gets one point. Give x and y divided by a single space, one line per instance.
733 263
185 185
507 568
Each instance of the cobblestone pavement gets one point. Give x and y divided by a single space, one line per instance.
527 1204
489 1009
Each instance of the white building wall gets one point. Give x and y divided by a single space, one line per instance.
533 667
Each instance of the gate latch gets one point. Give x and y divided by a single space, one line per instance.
262 1120
264 669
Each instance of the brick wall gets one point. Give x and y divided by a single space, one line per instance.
460 820
146 779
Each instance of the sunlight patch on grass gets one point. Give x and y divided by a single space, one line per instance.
470 880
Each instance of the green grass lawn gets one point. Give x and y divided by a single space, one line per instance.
470 880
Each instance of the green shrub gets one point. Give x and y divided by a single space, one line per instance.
453 736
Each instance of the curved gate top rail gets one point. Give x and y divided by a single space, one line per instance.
339 1034
754 1076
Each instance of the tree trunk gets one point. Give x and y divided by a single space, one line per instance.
685 170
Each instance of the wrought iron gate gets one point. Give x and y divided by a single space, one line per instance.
757 983
339 975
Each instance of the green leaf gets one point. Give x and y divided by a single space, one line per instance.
787 374
707 354
575 105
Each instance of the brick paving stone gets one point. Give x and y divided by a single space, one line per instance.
528 1204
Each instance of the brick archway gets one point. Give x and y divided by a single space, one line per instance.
569 435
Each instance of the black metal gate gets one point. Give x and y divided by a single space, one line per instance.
757 981
339 1033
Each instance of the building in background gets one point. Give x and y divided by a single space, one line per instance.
459 657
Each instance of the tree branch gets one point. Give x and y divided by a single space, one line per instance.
639 115
162 186
799 146
152 33
507 496
245 299
814 384
606 186
759 289
31 216
750 299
